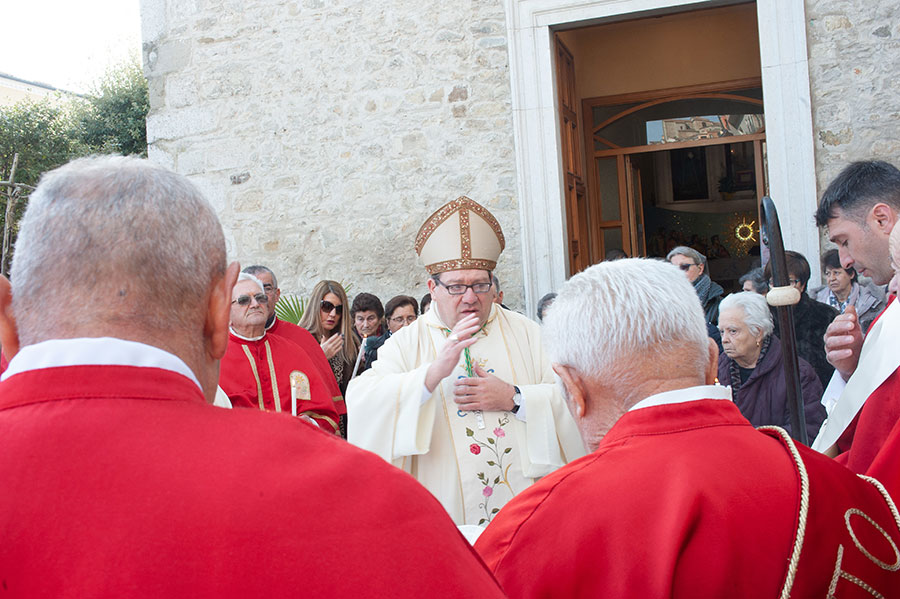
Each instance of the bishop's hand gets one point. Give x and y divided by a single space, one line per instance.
483 392
461 337
843 342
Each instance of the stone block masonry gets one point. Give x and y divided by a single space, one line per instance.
854 53
325 132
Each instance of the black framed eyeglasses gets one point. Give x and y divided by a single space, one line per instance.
687 266
460 289
327 307
244 300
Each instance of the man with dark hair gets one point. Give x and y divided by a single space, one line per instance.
860 208
811 318
368 323
119 480
297 334
543 304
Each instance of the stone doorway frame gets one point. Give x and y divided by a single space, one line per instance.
786 96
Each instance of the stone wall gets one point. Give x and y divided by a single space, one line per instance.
854 53
324 132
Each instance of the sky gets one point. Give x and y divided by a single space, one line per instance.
67 44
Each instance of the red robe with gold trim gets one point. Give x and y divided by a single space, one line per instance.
258 374
120 481
313 350
688 500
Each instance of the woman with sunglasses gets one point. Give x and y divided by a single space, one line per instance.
324 319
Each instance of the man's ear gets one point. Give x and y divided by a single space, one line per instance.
218 313
575 390
884 218
701 267
712 367
9 333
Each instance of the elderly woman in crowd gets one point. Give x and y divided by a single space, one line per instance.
324 319
811 318
755 280
842 289
401 311
752 365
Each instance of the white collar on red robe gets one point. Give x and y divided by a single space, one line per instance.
683 395
96 351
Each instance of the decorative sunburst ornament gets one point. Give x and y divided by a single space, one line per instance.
744 231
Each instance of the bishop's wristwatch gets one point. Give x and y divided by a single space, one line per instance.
517 399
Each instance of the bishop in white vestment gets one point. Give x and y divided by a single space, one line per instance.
464 399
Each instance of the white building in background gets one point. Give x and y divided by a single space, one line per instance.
325 132
13 90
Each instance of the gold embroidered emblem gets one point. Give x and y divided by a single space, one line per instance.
300 385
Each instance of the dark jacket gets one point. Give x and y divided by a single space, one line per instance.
372 345
762 399
811 318
710 294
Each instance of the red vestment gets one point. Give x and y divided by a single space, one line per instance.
688 500
869 429
120 481
313 350
258 374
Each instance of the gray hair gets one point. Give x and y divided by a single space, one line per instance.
496 283
683 250
757 316
758 279
256 269
615 312
111 239
246 276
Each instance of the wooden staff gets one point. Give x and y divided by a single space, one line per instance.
782 297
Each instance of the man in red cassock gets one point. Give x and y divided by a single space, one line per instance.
860 208
299 335
270 372
680 496
118 478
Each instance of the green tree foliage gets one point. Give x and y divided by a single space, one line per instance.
42 135
114 118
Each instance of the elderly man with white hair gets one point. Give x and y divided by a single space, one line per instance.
119 480
270 372
681 496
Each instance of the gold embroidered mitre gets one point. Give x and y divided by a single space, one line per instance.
461 234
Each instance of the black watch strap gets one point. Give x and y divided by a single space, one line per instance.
516 400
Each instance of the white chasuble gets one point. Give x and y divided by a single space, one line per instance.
473 462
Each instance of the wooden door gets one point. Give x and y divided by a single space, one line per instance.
577 214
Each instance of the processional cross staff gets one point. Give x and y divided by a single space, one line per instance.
782 296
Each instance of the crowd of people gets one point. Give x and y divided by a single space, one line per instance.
166 434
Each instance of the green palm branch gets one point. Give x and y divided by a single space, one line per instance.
290 308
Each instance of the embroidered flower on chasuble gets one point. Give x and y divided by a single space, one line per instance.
496 469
